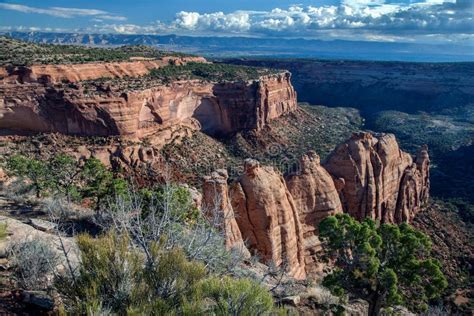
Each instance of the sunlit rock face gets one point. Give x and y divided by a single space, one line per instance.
88 71
217 208
315 196
378 180
268 218
29 104
278 218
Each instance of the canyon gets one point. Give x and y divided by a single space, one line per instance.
262 212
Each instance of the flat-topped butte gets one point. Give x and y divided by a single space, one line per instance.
19 53
207 72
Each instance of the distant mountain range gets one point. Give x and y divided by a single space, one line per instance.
265 47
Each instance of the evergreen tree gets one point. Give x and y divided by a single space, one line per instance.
386 265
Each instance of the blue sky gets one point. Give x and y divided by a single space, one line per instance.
431 21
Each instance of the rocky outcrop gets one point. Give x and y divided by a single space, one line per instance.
268 218
19 232
216 206
376 179
88 71
414 188
215 108
367 176
315 197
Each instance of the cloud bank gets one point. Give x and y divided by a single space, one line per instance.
351 16
378 20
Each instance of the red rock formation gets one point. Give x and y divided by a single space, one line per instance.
88 71
275 97
216 206
372 173
220 108
414 188
315 197
267 217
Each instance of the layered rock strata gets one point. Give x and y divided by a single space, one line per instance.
74 109
315 197
88 71
367 176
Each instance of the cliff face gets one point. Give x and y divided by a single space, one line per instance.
378 180
216 206
316 198
268 218
369 86
219 108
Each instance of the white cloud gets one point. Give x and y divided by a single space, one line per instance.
62 12
238 21
377 17
386 20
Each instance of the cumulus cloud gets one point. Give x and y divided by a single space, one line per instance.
63 12
375 18
233 22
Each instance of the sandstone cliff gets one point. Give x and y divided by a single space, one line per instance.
377 180
216 206
315 197
367 176
219 108
268 218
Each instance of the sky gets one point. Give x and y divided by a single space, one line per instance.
424 21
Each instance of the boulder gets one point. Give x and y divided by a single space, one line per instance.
19 232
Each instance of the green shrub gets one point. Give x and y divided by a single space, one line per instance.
208 72
3 231
236 297
114 276
35 170
108 276
65 176
100 183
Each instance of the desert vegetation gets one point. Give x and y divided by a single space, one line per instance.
155 253
209 72
387 264
19 53
63 175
